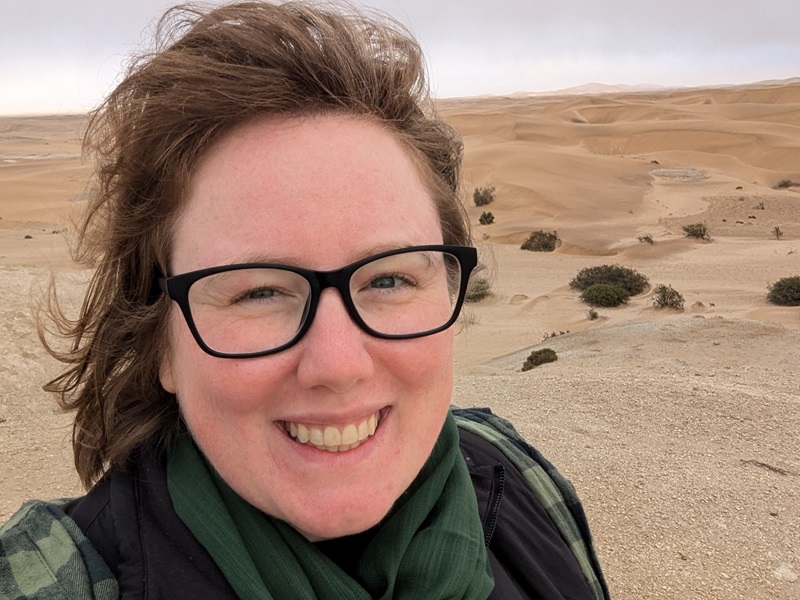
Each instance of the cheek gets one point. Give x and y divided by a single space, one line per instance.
428 371
423 406
208 386
437 357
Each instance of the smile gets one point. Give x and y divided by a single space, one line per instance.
333 438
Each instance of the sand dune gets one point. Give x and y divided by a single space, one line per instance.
588 159
680 428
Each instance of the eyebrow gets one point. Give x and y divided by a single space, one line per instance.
290 261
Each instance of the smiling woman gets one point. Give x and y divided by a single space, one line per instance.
263 368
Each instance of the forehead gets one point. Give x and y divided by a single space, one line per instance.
315 191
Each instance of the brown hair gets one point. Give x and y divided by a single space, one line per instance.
209 72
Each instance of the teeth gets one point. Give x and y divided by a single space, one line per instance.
333 438
301 435
349 435
315 437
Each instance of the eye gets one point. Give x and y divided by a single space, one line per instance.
256 294
384 282
390 281
265 293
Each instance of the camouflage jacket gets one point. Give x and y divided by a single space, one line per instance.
45 556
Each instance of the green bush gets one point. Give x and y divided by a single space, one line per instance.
486 218
785 292
541 241
629 280
539 357
480 283
478 288
667 297
483 195
696 230
604 294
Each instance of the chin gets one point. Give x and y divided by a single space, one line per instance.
318 530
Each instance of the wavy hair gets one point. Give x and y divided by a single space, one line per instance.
208 72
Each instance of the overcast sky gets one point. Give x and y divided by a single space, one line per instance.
64 55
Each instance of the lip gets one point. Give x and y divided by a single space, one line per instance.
310 454
338 420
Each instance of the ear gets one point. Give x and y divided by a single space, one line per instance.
165 374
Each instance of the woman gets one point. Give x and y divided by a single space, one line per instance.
262 368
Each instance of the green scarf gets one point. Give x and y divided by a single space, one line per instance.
429 546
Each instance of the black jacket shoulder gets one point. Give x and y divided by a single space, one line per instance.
529 558
129 519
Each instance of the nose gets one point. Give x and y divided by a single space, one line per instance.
334 352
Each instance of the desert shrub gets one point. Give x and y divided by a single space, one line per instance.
777 232
591 314
539 357
696 230
541 241
553 334
604 294
667 297
760 206
486 218
483 195
629 280
646 239
785 292
478 288
480 283
784 184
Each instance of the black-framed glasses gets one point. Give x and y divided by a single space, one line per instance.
255 309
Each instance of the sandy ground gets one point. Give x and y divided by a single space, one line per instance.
679 428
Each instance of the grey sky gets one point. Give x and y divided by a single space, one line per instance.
58 55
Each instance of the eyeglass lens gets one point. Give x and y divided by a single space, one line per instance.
258 309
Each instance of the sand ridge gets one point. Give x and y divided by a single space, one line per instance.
679 428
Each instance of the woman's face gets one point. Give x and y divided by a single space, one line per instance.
316 193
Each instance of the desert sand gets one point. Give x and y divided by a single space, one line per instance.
680 429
